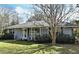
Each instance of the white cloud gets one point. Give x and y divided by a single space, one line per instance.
19 10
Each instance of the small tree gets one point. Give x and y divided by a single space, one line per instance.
54 14
6 16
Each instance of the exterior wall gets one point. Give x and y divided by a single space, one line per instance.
18 34
44 31
68 31
22 34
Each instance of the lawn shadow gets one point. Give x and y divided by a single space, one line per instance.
46 48
18 42
38 49
57 49
69 49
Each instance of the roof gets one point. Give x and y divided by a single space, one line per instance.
30 25
33 24
69 26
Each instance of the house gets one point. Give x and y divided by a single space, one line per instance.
30 30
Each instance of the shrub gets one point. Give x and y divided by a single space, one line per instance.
65 39
7 36
43 38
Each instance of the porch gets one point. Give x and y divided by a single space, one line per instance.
30 33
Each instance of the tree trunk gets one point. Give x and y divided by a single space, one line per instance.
53 35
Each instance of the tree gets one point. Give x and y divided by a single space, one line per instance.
14 19
77 22
54 14
36 17
7 17
4 18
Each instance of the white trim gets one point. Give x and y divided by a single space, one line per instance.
31 33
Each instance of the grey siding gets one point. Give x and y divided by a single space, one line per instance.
67 31
44 31
18 34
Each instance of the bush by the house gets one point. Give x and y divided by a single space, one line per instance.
43 38
7 36
65 39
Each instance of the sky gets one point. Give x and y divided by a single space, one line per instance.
26 10
25 6
20 9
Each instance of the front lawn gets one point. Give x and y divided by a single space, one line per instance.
24 47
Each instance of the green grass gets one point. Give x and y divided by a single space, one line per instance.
24 47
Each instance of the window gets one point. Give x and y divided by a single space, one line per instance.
37 30
44 30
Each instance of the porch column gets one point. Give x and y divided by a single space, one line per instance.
31 33
23 34
40 31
